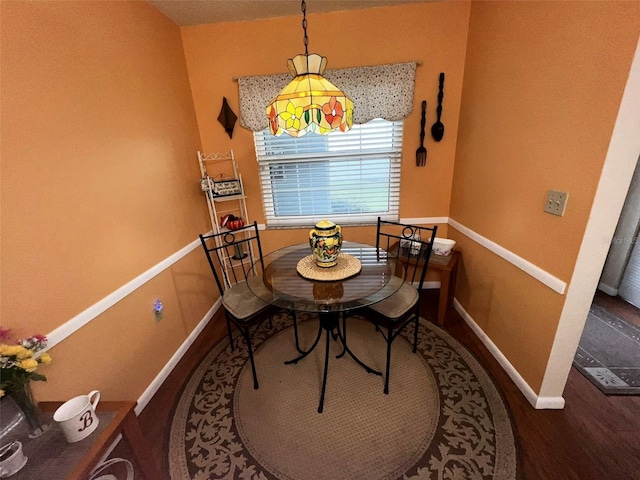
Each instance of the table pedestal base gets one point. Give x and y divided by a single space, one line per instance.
330 323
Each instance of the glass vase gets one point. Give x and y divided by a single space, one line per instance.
23 397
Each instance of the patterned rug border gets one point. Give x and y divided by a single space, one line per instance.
469 355
610 382
506 467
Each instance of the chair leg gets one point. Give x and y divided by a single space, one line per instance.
344 327
386 376
415 334
344 336
247 337
324 375
229 333
295 330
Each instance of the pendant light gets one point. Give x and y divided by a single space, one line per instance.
310 103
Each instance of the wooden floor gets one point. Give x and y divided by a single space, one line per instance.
594 437
617 305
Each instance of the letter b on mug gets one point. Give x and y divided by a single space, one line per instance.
77 417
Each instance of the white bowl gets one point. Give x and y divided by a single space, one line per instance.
443 246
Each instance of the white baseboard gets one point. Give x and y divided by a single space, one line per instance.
425 220
533 398
555 403
80 320
613 292
153 387
549 403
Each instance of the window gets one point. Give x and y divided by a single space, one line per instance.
350 178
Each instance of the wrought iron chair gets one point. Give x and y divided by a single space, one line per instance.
231 255
409 245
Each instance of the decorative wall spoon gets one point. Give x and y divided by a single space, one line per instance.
437 129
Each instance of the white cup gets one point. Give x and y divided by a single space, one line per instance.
77 417
12 459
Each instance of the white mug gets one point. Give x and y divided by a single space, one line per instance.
12 459
77 417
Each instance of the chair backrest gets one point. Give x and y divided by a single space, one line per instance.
231 254
409 245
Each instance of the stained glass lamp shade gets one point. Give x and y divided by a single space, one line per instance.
310 103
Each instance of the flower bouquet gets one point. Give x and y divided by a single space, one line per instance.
18 364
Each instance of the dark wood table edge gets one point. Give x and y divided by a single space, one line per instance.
448 278
125 422
447 284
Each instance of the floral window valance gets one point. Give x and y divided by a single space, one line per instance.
381 91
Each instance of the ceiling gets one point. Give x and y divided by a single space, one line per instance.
195 12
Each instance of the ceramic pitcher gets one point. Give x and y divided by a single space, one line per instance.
325 240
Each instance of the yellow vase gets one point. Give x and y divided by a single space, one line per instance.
325 241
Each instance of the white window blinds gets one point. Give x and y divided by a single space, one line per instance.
351 178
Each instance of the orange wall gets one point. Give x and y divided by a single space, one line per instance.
97 112
542 86
99 184
434 33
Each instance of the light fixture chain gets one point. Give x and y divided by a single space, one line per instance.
304 27
312 96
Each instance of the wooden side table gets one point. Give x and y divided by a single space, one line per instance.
448 268
50 456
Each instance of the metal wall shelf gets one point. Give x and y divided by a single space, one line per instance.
225 164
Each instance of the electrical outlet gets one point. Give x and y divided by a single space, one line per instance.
556 202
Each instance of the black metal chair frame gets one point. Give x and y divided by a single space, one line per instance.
329 322
233 248
414 254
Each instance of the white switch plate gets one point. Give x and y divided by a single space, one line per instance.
556 202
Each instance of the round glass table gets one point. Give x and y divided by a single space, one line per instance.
279 280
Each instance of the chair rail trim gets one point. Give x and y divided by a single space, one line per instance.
80 320
551 281
83 318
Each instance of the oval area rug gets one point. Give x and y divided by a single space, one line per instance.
443 417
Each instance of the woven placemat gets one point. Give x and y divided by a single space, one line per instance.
346 266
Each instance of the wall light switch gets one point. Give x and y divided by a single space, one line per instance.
556 202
